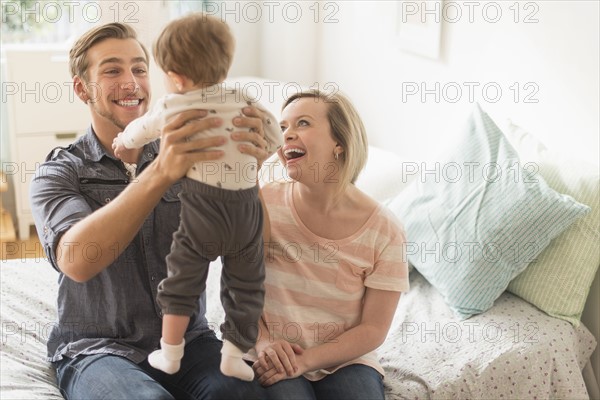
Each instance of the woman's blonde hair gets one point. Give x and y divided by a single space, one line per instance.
198 46
78 62
347 130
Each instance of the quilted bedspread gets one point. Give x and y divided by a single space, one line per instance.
511 351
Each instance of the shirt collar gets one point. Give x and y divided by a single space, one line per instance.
94 151
92 148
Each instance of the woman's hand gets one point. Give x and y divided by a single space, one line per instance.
270 375
277 361
178 153
281 354
256 136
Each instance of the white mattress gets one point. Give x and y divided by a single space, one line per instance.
511 351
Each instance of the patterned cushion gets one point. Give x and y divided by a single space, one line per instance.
560 279
476 220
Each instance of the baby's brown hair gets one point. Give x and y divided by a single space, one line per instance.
198 46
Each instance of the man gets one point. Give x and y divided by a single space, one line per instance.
107 226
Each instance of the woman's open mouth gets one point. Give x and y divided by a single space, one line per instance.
293 153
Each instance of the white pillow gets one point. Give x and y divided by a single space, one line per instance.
385 174
383 177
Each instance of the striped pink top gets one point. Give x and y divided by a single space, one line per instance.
315 286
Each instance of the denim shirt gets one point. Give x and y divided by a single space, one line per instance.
116 311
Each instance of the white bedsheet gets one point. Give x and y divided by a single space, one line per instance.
27 310
512 351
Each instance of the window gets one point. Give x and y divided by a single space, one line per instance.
44 21
51 21
180 8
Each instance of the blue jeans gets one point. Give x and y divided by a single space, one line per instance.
106 376
355 381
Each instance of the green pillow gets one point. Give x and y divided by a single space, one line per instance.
559 281
481 219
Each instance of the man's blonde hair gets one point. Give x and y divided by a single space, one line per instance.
197 46
78 62
347 130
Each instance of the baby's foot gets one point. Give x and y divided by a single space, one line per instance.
168 357
232 363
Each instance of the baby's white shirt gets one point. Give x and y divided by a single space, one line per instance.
234 170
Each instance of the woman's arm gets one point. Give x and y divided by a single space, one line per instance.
378 312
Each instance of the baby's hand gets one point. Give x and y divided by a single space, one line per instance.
118 146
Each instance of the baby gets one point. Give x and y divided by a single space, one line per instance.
221 213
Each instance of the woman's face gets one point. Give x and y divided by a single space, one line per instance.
308 149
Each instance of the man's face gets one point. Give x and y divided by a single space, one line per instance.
117 85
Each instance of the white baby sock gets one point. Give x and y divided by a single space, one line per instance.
232 363
168 358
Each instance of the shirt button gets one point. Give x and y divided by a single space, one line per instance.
150 155
153 278
107 200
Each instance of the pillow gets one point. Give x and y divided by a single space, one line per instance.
385 174
559 281
478 218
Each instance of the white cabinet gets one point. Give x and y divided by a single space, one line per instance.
43 113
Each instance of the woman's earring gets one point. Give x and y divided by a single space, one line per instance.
336 155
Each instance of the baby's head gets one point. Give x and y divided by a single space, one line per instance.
197 46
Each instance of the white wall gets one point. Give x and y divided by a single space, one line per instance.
289 43
555 59
353 44
149 18
558 56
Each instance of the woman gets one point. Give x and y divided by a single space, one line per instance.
335 264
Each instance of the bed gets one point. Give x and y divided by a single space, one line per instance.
516 343
511 351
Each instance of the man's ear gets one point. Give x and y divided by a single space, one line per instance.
80 89
177 79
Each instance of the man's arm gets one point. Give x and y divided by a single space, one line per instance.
112 227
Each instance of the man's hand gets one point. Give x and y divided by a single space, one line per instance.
254 120
178 153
